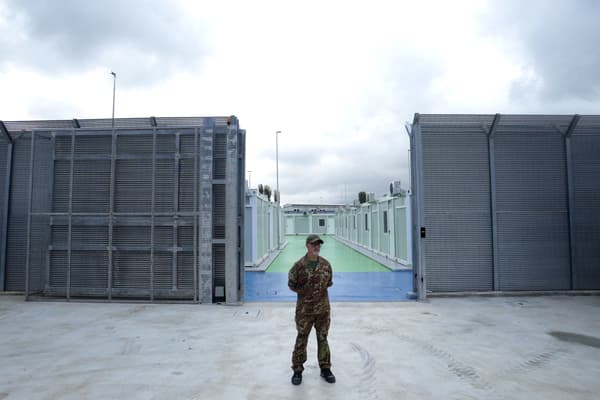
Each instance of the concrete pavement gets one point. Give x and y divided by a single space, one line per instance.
452 348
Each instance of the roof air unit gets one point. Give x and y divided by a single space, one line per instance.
396 188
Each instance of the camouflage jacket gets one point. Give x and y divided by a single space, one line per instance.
311 285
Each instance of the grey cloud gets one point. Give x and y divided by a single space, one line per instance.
408 76
356 168
141 40
369 164
557 40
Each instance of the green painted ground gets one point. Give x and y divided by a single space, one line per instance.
341 257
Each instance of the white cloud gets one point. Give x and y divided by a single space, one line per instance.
340 79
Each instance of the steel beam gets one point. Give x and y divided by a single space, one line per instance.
70 208
111 210
152 210
5 132
419 242
28 245
51 204
571 196
231 218
195 210
5 214
241 185
491 134
205 282
125 156
175 209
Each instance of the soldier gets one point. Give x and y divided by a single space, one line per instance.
309 278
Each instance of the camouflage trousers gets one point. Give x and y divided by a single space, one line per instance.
304 324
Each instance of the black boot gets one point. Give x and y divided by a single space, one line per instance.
327 375
297 378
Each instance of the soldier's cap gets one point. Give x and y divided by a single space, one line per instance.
313 238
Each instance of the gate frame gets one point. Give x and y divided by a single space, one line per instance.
195 214
417 201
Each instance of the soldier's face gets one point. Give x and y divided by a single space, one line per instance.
314 248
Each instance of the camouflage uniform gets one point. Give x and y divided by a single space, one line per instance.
312 308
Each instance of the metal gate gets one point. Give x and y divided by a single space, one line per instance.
149 210
583 149
6 146
505 202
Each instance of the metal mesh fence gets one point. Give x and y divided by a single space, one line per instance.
128 213
506 202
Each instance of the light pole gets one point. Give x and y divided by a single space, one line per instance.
114 88
249 179
277 182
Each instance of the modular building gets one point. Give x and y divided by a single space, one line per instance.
381 225
131 208
263 227
506 202
304 219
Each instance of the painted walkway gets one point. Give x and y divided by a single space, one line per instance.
355 276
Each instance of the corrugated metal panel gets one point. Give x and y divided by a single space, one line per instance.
458 247
218 211
164 181
132 237
17 127
185 265
186 184
4 179
186 141
585 149
131 270
17 220
218 270
427 121
163 264
40 238
91 186
85 272
87 236
219 155
189 121
85 145
133 186
60 193
532 215
58 269
141 143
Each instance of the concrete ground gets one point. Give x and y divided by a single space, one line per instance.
454 348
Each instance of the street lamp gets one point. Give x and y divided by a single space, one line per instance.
114 88
249 179
277 161
278 194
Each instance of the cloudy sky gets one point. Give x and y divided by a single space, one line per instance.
339 78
